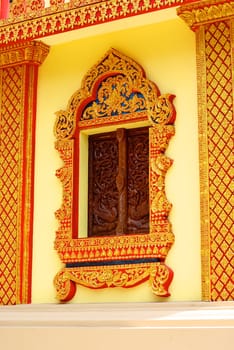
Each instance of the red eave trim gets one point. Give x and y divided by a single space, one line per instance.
68 18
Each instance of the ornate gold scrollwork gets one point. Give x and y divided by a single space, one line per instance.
202 12
115 91
125 276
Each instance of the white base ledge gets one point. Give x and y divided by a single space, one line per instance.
197 325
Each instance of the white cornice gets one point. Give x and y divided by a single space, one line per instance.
131 315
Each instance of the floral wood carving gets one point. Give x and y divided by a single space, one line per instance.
103 191
114 92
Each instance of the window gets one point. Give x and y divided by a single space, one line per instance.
119 182
129 234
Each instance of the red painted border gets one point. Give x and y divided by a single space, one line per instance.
67 17
31 77
27 57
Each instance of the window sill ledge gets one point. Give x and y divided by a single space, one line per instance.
130 315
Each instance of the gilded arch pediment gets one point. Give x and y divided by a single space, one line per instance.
128 81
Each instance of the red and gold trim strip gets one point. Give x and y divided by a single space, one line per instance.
206 11
18 86
34 21
214 23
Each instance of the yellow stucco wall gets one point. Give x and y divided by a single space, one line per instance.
167 53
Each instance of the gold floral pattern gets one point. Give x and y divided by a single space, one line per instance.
18 74
214 24
29 19
125 276
115 91
160 109
115 97
209 11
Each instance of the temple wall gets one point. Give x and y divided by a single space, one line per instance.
167 53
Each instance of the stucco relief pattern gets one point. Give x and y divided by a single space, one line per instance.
29 19
18 77
214 26
103 253
11 177
206 11
220 158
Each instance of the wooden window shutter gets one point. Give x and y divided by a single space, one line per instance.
118 200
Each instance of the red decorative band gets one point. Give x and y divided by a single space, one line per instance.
28 23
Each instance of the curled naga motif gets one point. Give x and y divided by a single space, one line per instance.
161 277
64 286
64 125
161 164
164 112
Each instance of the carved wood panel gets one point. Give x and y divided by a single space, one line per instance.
103 192
138 181
119 182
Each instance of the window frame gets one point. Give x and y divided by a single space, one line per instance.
134 258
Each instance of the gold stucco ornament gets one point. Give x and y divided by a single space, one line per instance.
114 92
